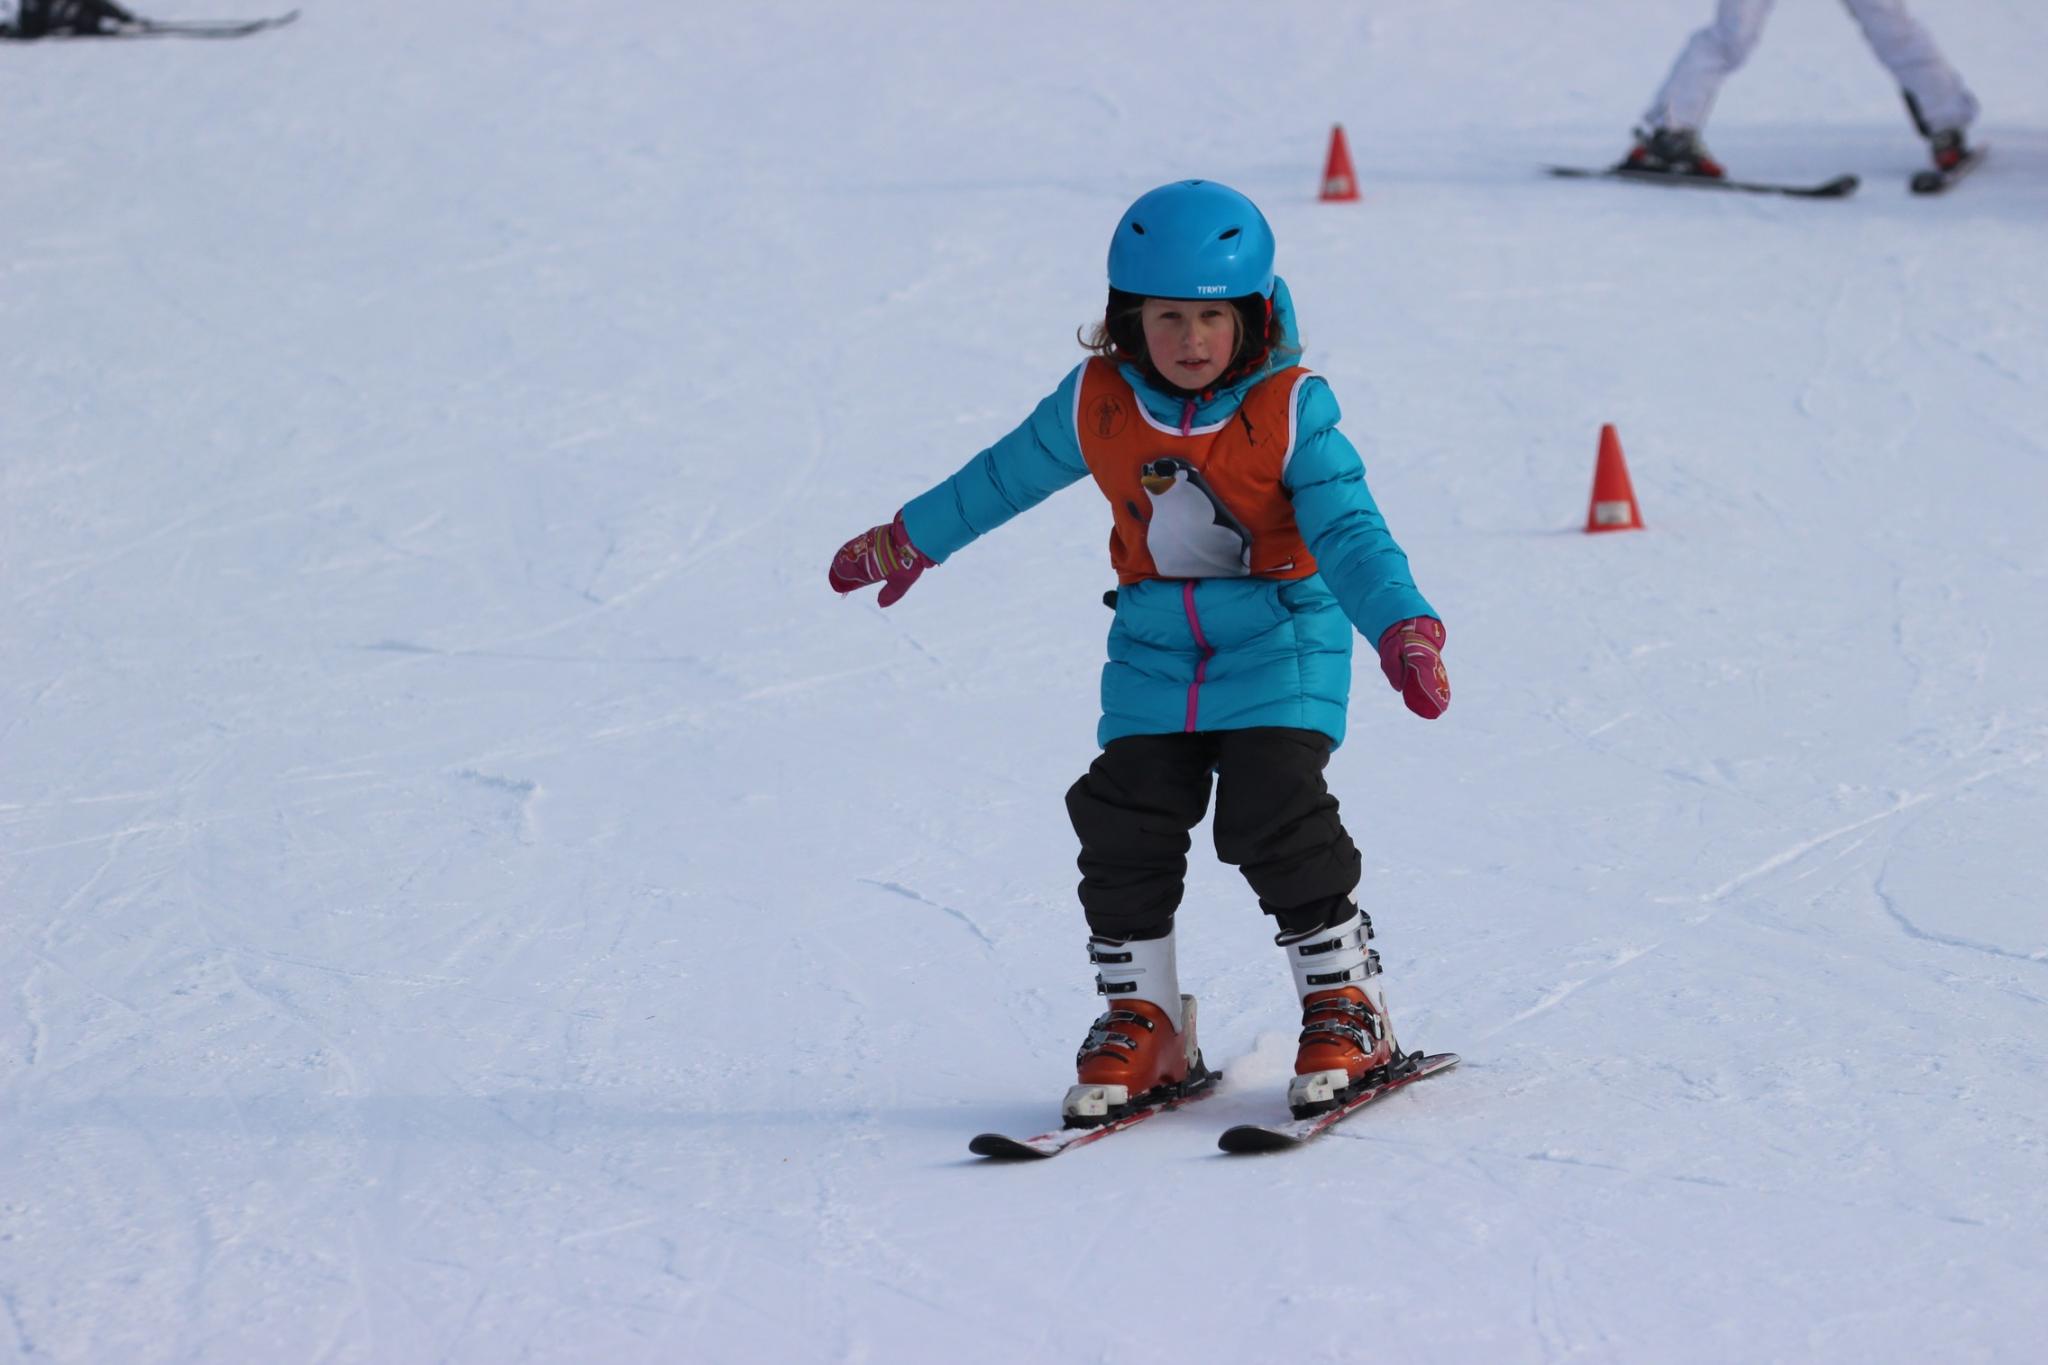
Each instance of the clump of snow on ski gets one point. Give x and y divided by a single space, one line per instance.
1003 1148
1247 1138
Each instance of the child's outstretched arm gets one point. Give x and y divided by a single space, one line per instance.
1040 457
1359 557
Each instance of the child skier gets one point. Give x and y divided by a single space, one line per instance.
1941 106
1246 547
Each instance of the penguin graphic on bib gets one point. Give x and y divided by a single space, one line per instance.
1190 533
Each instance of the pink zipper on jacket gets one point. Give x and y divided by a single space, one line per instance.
1187 602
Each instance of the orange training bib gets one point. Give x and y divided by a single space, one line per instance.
1204 503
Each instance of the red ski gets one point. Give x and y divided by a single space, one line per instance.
1279 1137
1063 1139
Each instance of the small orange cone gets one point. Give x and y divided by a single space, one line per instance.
1340 182
1614 497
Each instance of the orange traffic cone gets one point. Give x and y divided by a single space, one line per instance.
1340 183
1614 497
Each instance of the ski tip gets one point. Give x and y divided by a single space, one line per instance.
1001 1148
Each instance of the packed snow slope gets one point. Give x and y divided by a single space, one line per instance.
471 893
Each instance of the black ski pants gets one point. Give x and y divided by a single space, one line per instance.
1276 821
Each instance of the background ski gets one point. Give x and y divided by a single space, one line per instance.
1004 1148
1933 181
207 28
1258 1137
1837 188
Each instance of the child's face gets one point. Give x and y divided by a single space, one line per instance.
1190 340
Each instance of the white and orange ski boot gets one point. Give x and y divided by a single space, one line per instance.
1142 1049
1346 1037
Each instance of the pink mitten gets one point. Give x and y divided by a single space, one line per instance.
1410 656
883 555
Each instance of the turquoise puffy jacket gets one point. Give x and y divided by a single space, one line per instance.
1210 653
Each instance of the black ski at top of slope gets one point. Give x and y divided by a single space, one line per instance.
1934 181
201 28
210 28
172 28
1839 187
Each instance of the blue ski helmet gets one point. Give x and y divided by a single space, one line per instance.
1193 239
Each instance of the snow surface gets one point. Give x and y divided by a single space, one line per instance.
471 892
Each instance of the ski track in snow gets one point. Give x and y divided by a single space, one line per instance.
947 910
1565 991
1914 931
1726 892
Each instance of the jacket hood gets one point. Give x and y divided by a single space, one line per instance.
1166 405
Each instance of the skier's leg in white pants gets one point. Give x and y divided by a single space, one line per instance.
1915 63
1710 56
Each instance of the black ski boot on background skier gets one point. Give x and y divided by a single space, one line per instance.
1671 151
1948 148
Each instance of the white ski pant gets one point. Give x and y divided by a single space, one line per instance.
1713 54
